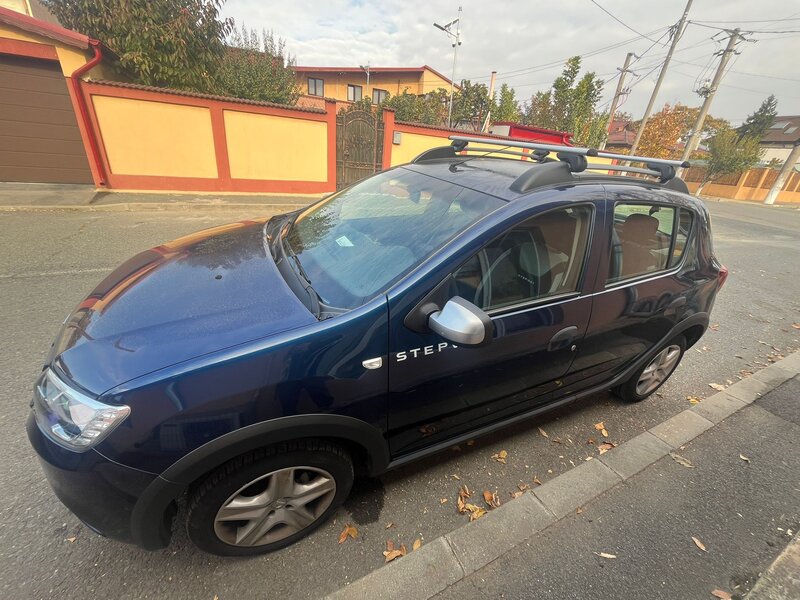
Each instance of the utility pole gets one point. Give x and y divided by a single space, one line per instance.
697 132
615 102
675 37
456 43
488 118
366 69
786 170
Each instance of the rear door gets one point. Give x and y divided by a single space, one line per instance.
530 281
641 289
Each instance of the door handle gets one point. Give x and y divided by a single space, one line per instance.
562 339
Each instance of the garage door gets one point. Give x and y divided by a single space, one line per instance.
39 137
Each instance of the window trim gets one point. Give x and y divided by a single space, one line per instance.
353 86
645 277
540 302
316 81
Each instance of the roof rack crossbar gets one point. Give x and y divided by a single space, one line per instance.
653 161
602 167
463 139
535 155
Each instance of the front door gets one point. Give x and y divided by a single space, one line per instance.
530 282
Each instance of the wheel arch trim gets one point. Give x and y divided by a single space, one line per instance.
151 518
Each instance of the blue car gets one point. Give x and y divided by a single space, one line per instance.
252 370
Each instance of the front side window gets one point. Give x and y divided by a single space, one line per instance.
357 243
316 87
540 258
642 240
354 93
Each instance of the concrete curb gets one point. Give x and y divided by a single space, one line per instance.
451 557
781 581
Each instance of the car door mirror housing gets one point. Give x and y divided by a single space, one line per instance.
462 323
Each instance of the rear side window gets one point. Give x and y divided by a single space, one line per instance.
539 258
682 233
642 240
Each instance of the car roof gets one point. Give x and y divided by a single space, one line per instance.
495 175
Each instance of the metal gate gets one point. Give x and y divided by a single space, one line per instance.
359 145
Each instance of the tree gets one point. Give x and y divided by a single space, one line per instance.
172 43
257 68
470 105
429 109
756 124
729 153
663 132
571 105
507 107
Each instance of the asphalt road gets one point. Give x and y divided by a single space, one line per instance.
50 260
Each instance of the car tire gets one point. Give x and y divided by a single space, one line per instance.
269 498
655 372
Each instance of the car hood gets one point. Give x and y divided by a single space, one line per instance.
204 292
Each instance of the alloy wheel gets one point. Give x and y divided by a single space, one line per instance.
275 506
658 370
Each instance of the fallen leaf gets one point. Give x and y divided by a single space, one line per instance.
557 441
601 428
681 460
416 545
699 544
72 539
714 326
427 430
744 458
456 477
500 456
475 512
605 555
390 525
590 440
491 499
348 531
536 480
523 486
579 510
796 325
605 447
471 443
693 399
717 386
516 494
721 594
391 552
443 500
543 432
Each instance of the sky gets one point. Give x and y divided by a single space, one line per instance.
527 42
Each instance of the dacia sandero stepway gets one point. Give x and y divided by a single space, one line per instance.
251 370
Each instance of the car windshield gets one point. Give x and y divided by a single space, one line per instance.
357 243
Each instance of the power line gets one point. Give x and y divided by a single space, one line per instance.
598 5
760 21
558 63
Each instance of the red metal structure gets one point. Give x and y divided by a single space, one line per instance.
531 133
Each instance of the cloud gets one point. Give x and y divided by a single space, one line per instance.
526 42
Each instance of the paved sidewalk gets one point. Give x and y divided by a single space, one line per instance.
42 196
726 472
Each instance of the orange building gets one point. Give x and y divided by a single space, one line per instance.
349 84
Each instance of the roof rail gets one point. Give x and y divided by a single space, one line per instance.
575 157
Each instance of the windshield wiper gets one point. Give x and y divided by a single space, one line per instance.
303 277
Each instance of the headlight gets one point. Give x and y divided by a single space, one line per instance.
72 418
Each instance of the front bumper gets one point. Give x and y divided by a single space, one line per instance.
100 492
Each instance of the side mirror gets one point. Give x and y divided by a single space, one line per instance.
463 323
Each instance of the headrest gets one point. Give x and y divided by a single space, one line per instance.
639 228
